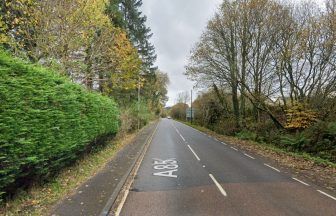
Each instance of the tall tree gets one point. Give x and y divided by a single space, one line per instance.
127 14
214 59
18 22
265 50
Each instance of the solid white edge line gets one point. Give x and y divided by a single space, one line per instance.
234 148
302 182
324 193
272 167
249 156
194 153
218 185
117 213
137 166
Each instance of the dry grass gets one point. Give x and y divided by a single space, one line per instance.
40 199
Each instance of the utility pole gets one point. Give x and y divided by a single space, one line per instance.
191 115
139 103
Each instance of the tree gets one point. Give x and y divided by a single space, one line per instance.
159 91
209 110
3 29
178 111
270 53
214 59
81 39
183 97
113 10
135 24
17 25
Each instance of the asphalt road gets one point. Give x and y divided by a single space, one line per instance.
186 172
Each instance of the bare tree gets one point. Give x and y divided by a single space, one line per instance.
271 53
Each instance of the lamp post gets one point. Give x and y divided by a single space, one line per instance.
139 103
191 110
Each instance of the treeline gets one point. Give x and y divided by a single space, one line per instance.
270 70
101 44
88 73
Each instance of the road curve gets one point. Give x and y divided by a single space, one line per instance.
186 172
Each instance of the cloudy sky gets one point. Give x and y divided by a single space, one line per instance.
177 26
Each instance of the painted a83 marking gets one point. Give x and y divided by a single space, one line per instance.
165 168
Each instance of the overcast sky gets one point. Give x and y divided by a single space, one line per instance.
177 26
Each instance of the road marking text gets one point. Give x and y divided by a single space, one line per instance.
167 167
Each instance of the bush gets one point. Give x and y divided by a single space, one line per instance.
265 131
322 137
318 140
130 117
225 126
294 143
46 122
247 135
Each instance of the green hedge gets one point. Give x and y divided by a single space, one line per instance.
46 121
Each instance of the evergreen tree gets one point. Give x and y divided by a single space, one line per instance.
113 10
126 14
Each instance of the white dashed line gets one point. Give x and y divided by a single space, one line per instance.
194 153
272 167
182 137
223 143
324 193
179 133
234 148
218 185
302 182
249 156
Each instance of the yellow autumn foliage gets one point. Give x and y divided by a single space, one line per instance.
20 17
300 117
3 37
79 36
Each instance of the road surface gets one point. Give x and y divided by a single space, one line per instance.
186 172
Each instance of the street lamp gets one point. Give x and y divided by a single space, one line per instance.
191 116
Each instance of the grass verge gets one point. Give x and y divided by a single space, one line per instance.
317 170
39 199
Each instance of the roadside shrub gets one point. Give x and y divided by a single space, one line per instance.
322 137
130 117
144 114
265 131
225 126
46 122
247 135
294 143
